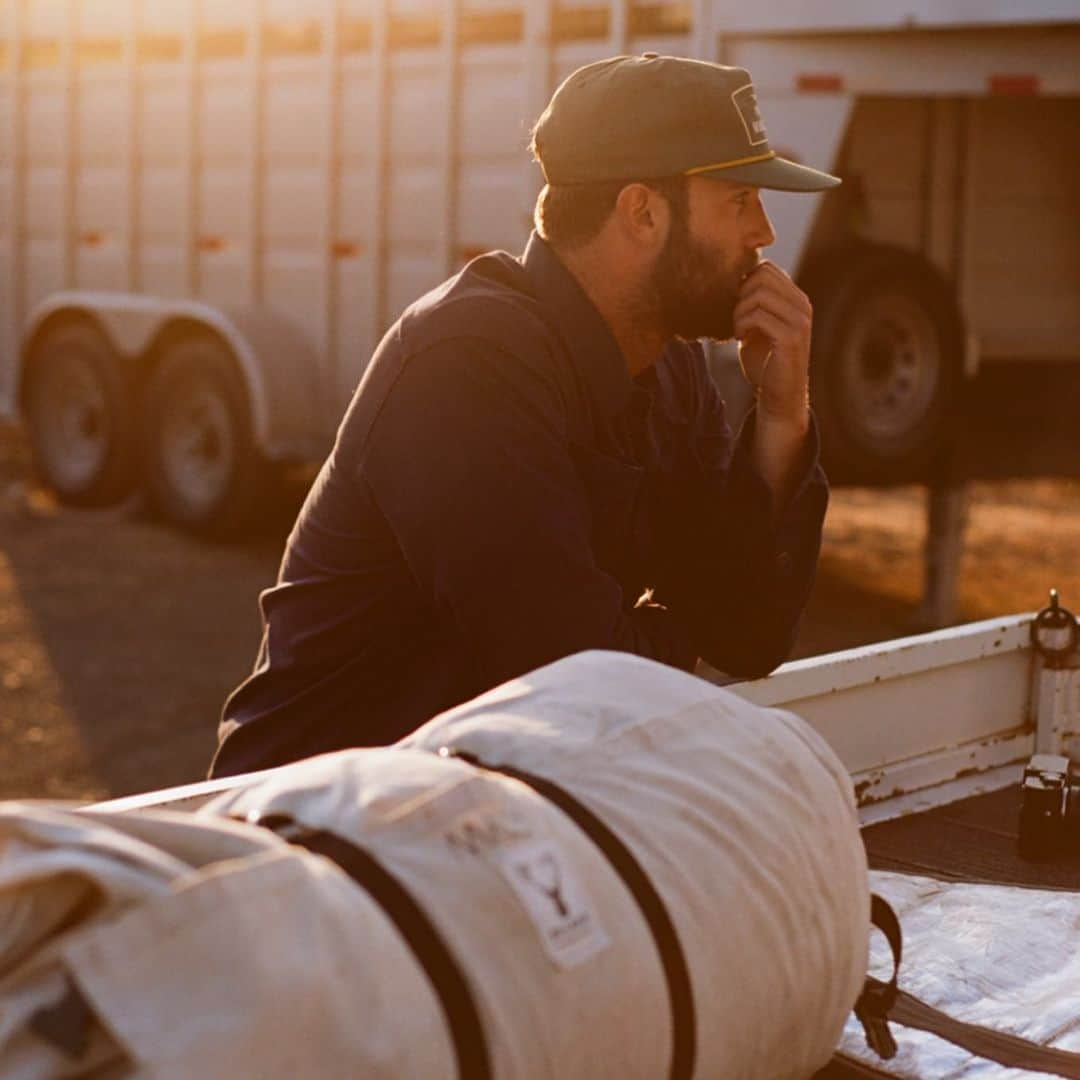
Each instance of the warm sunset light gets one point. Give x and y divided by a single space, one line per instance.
539 539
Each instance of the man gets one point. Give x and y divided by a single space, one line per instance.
536 461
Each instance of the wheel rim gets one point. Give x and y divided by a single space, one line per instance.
72 422
198 446
890 366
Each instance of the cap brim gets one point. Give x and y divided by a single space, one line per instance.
777 174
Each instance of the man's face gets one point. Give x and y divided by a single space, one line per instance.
695 281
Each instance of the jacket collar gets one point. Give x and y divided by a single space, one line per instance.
587 337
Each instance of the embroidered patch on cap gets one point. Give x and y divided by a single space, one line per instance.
745 101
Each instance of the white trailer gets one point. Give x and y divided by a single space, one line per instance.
211 209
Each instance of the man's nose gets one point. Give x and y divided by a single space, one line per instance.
762 233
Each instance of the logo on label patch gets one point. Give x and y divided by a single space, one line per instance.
555 900
745 102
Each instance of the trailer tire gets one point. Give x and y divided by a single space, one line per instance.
77 402
886 364
204 471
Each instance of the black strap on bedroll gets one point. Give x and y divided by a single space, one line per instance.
881 1002
672 957
433 955
984 1042
878 998
66 1023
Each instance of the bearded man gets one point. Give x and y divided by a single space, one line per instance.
536 461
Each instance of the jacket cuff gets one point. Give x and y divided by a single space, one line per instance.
804 513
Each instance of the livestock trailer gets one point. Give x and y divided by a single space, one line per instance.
210 210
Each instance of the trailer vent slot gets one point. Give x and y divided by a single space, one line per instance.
222 45
355 35
819 83
301 38
1014 85
100 51
579 24
414 31
651 20
41 53
491 27
160 48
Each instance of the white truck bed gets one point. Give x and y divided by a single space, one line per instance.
920 722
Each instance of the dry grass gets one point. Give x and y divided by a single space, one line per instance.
1021 539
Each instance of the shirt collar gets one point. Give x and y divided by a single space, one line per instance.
587 336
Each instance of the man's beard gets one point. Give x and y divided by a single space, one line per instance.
692 290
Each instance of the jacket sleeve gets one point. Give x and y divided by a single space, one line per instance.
469 462
736 578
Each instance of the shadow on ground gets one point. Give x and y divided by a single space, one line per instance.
122 638
119 640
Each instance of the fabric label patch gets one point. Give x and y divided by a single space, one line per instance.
555 901
745 101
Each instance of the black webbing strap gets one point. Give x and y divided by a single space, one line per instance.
664 935
431 952
67 1023
881 1002
984 1042
877 998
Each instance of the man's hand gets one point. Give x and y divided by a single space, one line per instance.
773 320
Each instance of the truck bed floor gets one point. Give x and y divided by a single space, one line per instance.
971 840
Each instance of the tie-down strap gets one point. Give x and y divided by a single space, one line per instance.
634 877
431 951
881 1002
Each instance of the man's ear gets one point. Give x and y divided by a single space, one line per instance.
643 215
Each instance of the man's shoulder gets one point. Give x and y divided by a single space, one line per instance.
489 299
483 323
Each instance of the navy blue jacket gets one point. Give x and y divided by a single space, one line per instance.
502 493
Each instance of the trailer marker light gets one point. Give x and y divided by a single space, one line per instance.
344 249
819 83
211 243
1013 84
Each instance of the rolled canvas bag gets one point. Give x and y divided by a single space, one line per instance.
740 819
604 868
153 944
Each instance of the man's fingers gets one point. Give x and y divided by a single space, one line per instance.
765 323
767 266
795 320
768 279
782 306
759 287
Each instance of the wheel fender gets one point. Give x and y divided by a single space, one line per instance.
277 363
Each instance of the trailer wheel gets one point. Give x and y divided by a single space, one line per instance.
204 472
886 364
77 402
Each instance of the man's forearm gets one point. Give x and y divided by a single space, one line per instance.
779 452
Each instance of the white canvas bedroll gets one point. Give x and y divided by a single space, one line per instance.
197 945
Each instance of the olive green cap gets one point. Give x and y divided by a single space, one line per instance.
644 117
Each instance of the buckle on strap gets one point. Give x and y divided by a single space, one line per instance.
878 998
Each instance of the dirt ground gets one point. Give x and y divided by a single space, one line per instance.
119 638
